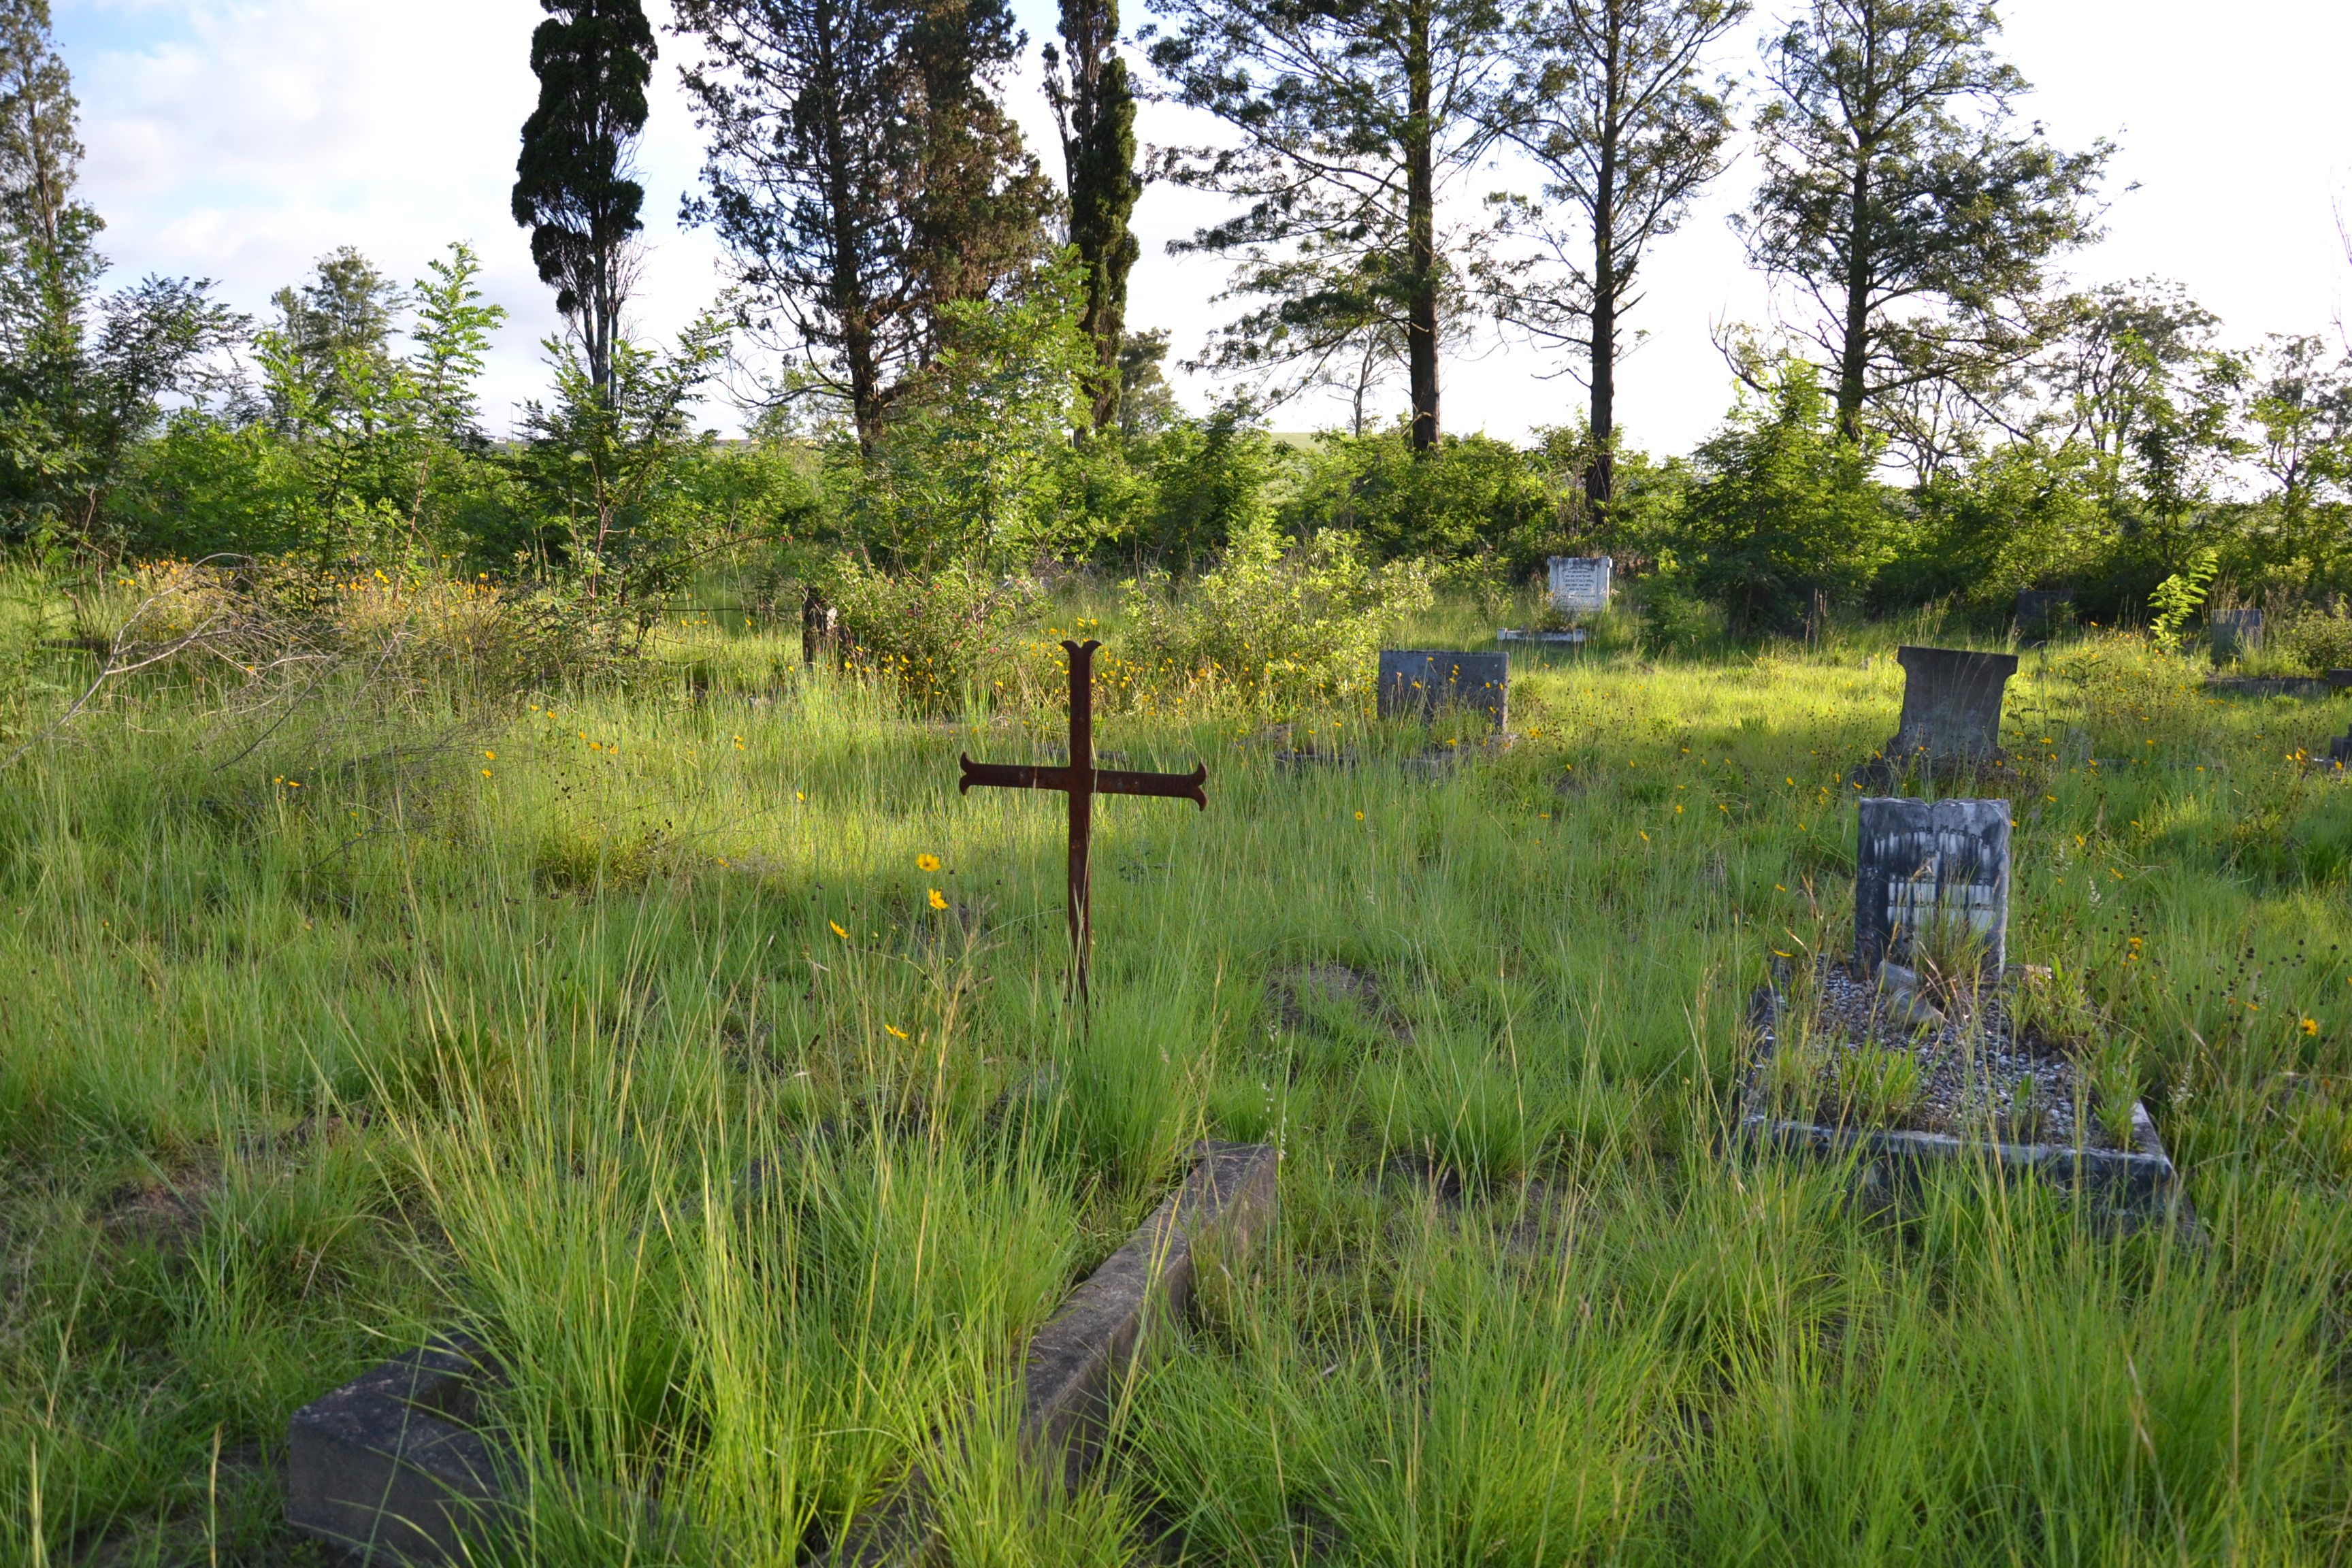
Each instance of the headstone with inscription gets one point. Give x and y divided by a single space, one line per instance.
1931 880
1580 584
1419 683
1951 705
2235 632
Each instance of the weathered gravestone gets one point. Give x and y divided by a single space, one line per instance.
2235 632
2042 611
1951 709
2340 750
1931 880
1580 584
1420 683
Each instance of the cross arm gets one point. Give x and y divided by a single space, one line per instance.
1011 775
1168 787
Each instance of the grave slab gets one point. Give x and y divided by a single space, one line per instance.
1078 1364
2306 686
1420 683
389 1467
1931 873
1582 584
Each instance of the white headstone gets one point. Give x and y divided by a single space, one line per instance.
1580 583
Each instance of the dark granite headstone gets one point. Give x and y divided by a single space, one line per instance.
1933 872
1419 683
2339 749
2042 611
2235 632
1951 705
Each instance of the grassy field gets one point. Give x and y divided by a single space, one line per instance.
623 1027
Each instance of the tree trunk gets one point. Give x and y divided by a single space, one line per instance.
1601 476
846 284
1420 232
1853 356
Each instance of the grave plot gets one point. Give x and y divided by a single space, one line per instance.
1440 690
1578 586
1925 1046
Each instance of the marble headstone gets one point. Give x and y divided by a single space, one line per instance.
1933 872
1951 705
2235 632
1418 683
1580 584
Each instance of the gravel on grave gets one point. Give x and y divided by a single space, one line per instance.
1972 1067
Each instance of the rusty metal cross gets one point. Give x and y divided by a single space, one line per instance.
1082 781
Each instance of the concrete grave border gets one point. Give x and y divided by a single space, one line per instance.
2131 1189
1078 1364
389 1467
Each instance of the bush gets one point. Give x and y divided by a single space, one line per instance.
1274 627
2317 640
938 636
1472 500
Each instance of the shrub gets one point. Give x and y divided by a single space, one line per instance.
1272 626
2317 640
937 636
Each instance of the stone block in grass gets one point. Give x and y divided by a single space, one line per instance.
390 1466
1080 1361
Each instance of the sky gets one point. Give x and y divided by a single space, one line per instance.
240 139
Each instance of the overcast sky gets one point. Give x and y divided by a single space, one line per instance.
241 139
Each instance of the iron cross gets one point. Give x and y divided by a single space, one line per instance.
1082 781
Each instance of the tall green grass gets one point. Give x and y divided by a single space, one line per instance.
619 1028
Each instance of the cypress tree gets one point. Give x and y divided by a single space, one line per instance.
1095 110
573 187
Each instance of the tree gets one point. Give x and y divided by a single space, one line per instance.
601 457
1782 502
2119 347
1611 99
1094 108
862 175
1898 197
573 185
1353 117
328 359
82 380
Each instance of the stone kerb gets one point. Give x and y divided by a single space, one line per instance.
389 1466
1420 683
1078 1364
1929 872
2129 1186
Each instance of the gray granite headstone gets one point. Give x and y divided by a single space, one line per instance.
1419 683
1931 871
1580 584
2235 632
1951 705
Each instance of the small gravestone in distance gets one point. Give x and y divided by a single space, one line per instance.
2235 632
1931 883
1580 584
2340 750
2042 612
1951 710
1421 683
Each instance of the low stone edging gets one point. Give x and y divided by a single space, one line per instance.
392 1467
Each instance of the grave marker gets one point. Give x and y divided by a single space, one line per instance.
2235 632
2042 611
1931 875
1580 584
1951 706
1418 683
1082 781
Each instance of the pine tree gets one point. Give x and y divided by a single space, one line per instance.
573 186
1094 107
